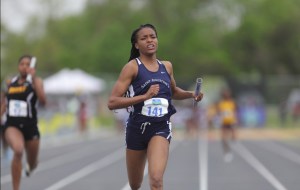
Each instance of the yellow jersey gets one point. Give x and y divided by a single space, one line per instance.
227 109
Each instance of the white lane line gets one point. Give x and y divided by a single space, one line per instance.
203 162
258 166
127 187
107 160
57 161
282 151
72 139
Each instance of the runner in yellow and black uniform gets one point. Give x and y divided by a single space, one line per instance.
21 130
227 112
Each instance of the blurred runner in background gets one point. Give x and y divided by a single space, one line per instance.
21 127
82 116
227 111
4 146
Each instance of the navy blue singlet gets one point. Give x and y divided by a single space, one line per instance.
158 108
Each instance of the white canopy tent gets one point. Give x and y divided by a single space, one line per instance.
75 81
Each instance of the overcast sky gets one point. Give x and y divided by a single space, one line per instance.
15 13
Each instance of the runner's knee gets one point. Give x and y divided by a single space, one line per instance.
156 181
18 152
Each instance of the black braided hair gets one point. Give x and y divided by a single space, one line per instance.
25 56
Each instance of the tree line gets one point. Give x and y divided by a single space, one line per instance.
220 37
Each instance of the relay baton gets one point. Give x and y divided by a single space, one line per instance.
197 89
32 65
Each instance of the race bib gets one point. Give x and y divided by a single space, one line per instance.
17 108
155 107
228 116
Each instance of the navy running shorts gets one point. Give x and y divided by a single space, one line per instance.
138 135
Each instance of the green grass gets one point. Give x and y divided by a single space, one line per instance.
273 119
